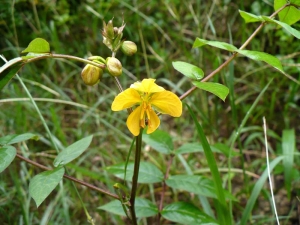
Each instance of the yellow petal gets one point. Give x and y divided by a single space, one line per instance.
126 99
153 122
133 121
167 102
147 85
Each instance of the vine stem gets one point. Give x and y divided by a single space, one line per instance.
135 176
188 92
69 177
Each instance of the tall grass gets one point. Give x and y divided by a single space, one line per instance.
164 32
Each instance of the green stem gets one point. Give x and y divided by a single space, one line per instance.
61 56
135 176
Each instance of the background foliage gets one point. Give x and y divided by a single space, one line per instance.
164 32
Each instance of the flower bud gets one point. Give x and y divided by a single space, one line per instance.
98 58
129 48
91 74
113 66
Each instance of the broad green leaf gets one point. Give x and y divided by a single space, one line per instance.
143 208
44 183
222 45
287 27
73 151
257 190
186 213
250 18
224 149
7 155
16 138
38 45
193 147
148 173
262 56
194 184
217 89
160 141
197 147
289 15
188 70
9 70
288 150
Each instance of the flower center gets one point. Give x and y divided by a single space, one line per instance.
146 109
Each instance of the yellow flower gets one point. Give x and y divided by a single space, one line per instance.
146 94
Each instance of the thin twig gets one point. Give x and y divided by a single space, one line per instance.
188 92
69 177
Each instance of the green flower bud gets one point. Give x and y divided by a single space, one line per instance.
114 66
97 59
129 48
91 75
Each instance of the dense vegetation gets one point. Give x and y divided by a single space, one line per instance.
164 32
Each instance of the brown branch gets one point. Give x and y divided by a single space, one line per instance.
70 178
188 92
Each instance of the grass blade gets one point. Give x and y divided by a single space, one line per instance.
222 208
257 189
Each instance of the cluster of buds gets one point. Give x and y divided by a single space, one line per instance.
112 38
112 35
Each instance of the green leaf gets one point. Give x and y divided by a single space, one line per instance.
224 149
73 151
288 150
192 148
44 183
16 138
188 70
257 190
217 89
262 56
194 184
290 14
186 213
250 18
143 208
287 27
160 141
222 45
7 155
38 45
148 173
9 70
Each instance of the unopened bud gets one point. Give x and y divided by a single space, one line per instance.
97 58
91 75
113 66
129 48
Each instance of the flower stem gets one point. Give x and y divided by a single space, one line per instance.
135 176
